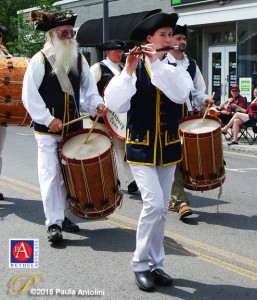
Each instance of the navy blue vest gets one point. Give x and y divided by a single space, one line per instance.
105 76
182 108
60 104
152 125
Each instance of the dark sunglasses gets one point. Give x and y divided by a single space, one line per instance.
65 33
234 90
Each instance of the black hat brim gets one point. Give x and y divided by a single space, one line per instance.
151 24
113 45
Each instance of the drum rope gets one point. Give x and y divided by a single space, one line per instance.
115 172
71 181
185 152
86 183
102 177
199 156
213 155
25 117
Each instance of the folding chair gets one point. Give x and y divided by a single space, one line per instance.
247 134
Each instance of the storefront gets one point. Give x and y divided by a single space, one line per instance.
222 34
223 39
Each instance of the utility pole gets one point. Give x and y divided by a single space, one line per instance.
105 21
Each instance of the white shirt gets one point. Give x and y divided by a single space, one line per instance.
198 95
35 105
164 76
96 72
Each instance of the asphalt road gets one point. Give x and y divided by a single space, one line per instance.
211 255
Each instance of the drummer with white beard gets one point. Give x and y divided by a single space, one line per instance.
3 52
50 71
103 72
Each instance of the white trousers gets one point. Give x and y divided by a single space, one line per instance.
119 150
154 183
51 182
2 140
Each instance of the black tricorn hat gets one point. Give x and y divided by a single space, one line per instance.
150 24
180 30
112 45
3 29
45 21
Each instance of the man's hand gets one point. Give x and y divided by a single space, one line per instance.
209 101
132 61
55 125
101 110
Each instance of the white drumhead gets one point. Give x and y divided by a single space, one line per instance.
96 145
116 123
195 126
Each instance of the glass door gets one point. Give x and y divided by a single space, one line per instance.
222 71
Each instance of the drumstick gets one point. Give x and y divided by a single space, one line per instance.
207 108
194 126
88 135
76 120
73 121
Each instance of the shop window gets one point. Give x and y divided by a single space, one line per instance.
247 50
227 37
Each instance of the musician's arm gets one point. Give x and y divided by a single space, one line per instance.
119 92
174 82
198 95
31 98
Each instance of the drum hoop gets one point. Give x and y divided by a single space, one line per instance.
200 135
106 121
206 187
86 160
95 214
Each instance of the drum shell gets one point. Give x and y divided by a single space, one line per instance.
202 151
93 180
12 111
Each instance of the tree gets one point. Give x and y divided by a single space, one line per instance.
23 39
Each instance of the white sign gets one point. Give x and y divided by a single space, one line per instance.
245 86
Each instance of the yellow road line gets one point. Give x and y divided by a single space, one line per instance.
195 243
11 186
169 234
197 254
32 187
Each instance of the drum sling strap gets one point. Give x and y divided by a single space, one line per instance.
63 80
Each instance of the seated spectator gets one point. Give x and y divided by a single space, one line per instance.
226 108
247 117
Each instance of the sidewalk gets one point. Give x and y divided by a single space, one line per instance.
242 147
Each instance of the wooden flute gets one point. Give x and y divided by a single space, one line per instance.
157 50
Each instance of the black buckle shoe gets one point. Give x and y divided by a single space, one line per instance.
132 187
144 281
54 233
69 226
1 196
160 277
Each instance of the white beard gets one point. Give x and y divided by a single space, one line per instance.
65 53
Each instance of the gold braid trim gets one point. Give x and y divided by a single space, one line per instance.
3 48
